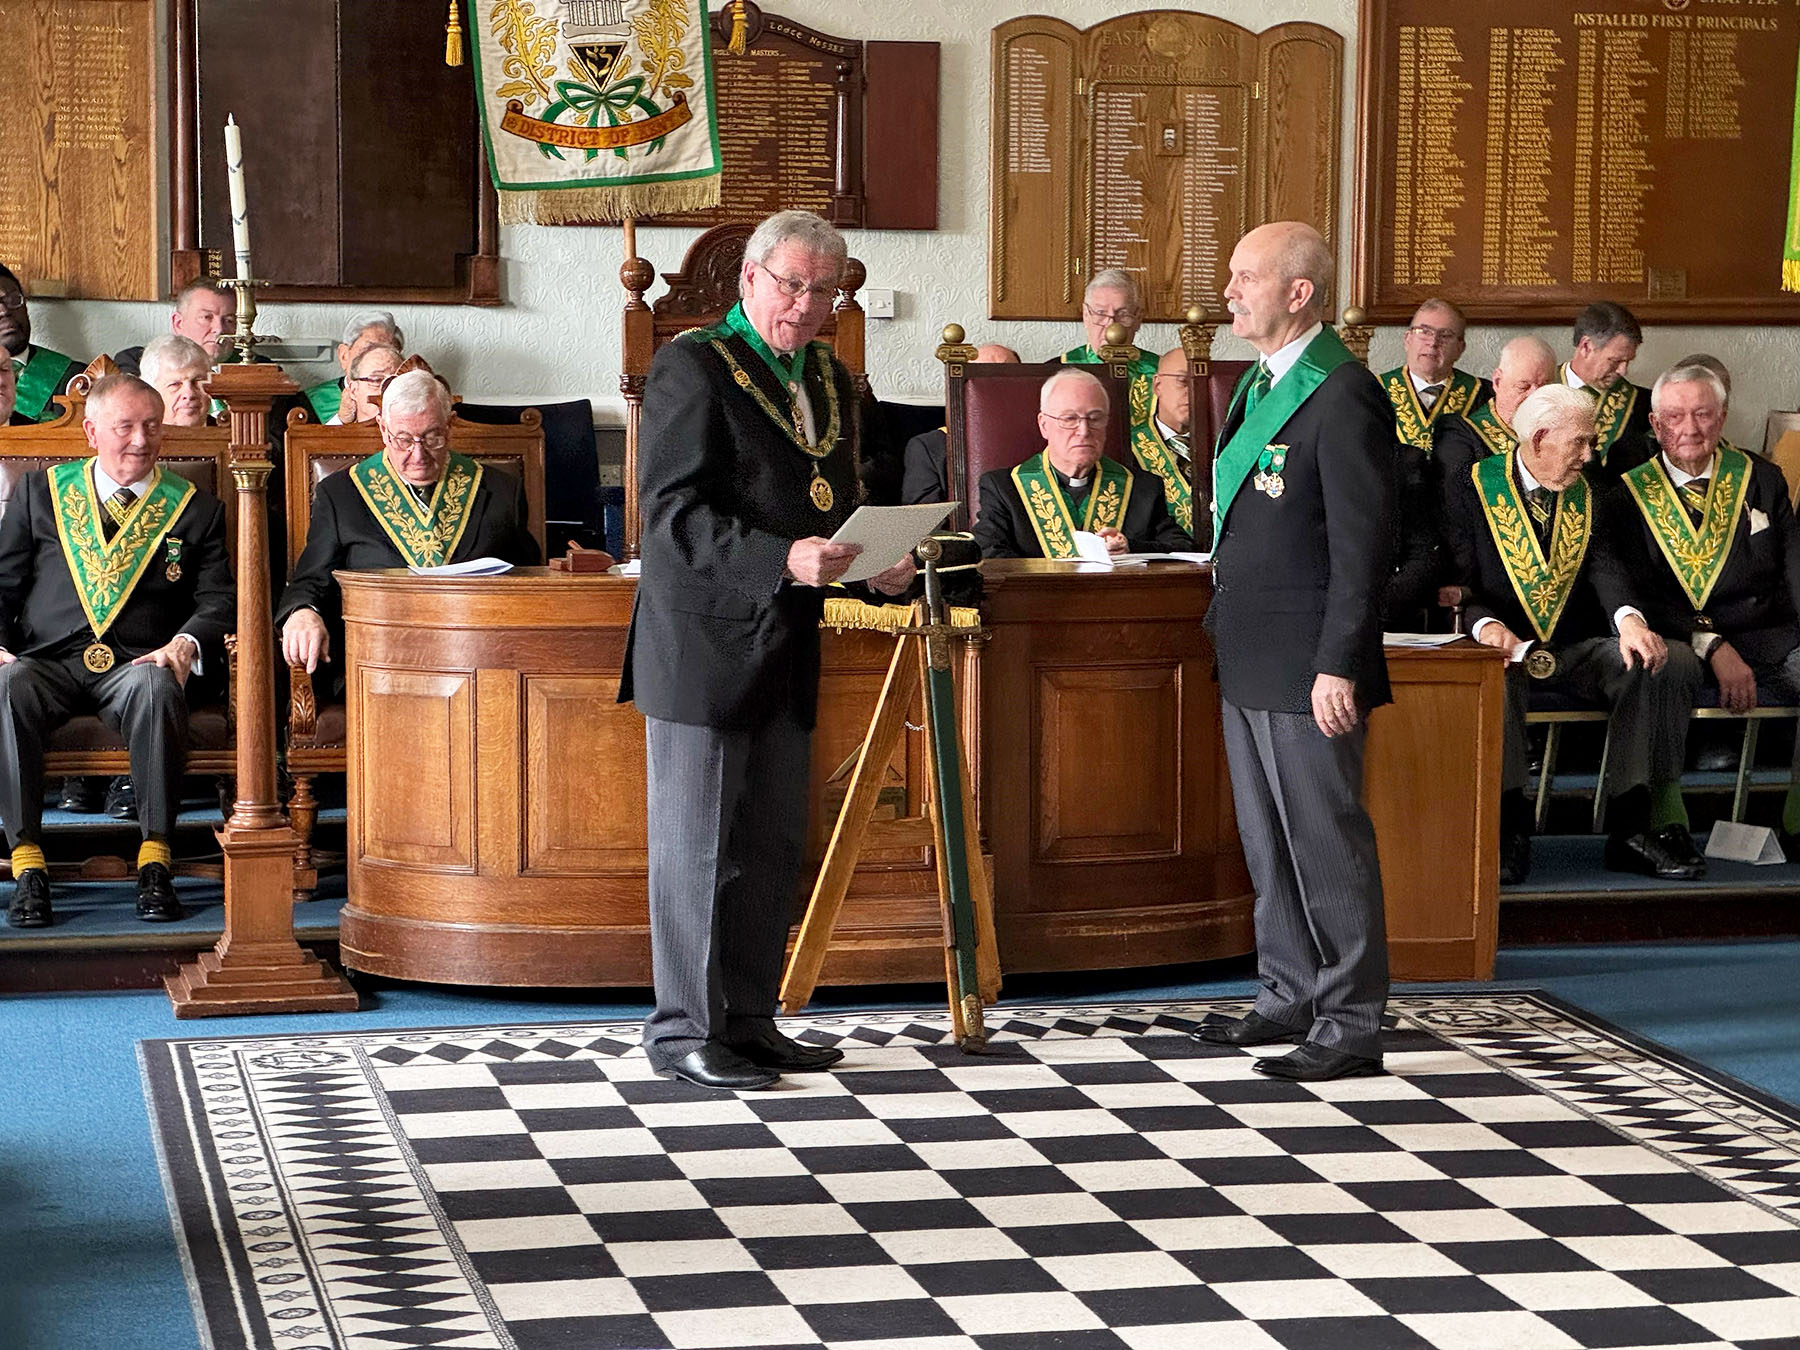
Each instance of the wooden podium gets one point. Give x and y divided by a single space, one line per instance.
257 966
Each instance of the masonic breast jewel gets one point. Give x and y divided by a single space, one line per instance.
1269 465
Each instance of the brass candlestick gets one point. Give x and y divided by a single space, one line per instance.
244 339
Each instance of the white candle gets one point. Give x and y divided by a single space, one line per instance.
240 210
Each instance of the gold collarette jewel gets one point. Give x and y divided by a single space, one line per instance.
98 657
1540 663
742 377
822 496
1275 486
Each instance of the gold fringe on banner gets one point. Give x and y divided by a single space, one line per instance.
590 205
844 612
1790 274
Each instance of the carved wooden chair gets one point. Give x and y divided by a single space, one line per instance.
84 746
701 293
317 730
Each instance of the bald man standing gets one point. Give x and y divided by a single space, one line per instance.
1303 512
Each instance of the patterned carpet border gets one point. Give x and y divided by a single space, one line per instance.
307 1221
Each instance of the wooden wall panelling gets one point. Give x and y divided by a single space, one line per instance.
77 148
576 821
431 822
900 135
1301 74
1031 157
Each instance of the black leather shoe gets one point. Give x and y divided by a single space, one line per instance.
769 1049
30 906
715 1065
1311 1063
156 902
1680 846
121 799
1250 1029
83 796
1649 853
1515 858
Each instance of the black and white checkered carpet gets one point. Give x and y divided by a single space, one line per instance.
1524 1177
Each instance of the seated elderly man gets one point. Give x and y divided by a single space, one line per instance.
414 502
1526 363
205 310
1033 511
178 368
40 374
1535 545
928 454
1714 541
372 327
115 584
373 367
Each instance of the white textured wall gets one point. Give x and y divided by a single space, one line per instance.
559 332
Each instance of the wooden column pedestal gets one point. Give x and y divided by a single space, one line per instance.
257 966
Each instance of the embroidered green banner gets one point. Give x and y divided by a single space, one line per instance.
425 534
1790 248
106 571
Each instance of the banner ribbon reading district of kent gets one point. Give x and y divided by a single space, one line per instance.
1790 246
597 109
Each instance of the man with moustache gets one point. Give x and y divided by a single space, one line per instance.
39 373
1303 511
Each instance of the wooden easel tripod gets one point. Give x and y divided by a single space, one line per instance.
971 960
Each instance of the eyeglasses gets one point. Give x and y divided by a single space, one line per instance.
1126 315
431 440
371 379
1075 421
795 287
1425 330
13 299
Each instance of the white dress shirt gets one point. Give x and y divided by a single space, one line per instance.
1282 360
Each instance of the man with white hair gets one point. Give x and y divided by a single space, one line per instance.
1537 552
1304 512
178 368
372 327
926 473
414 502
1718 551
747 465
205 311
1035 509
115 584
1112 296
373 367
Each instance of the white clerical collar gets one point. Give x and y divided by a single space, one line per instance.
105 485
1281 361
1681 477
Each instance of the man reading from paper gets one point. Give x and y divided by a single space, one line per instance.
415 502
747 465
1034 510
115 584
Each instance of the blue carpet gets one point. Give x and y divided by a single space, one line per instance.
1574 864
90 1259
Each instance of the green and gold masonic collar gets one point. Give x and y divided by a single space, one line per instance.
1461 390
1155 454
1696 554
106 571
1612 409
1543 582
425 533
1491 430
1053 515
789 370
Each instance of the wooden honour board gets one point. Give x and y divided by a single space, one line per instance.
77 175
1537 156
1152 142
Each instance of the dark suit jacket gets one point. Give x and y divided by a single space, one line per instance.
1003 529
927 460
1632 447
1298 579
719 637
344 534
1604 584
40 611
1756 600
1419 565
129 360
1455 447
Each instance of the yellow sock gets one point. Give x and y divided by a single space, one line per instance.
27 856
154 850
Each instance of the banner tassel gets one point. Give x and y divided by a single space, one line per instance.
453 37
740 29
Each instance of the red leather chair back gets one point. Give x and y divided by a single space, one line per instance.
1220 379
991 423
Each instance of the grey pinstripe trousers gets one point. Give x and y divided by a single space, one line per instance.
727 826
1321 932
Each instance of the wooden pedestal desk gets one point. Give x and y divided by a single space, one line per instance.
497 817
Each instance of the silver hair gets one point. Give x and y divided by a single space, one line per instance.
373 318
1689 374
1064 376
1115 279
1528 344
811 233
109 387
1306 257
416 391
362 357
1553 405
170 354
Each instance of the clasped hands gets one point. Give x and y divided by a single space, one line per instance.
816 561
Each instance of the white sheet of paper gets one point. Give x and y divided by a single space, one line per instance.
1090 547
1743 843
1419 639
626 569
470 567
1160 559
887 534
